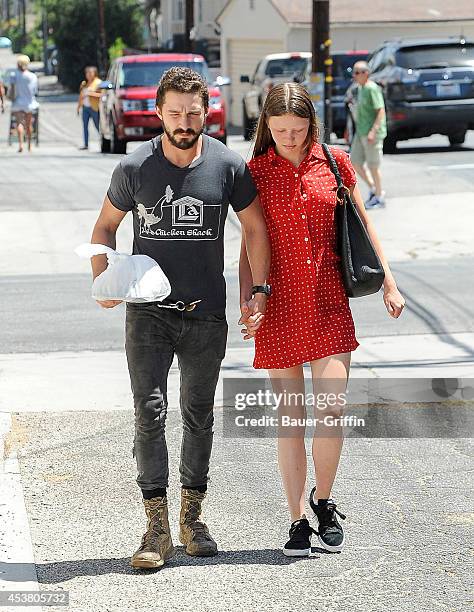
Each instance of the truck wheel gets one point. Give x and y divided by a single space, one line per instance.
249 125
390 144
104 144
457 138
117 146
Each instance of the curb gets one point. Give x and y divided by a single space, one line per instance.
17 565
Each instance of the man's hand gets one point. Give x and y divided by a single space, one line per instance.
371 136
109 303
253 313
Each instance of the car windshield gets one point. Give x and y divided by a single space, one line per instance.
440 56
342 64
287 66
147 74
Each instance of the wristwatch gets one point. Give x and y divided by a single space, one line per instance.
266 289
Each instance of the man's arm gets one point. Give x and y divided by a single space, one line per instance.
254 265
371 136
104 232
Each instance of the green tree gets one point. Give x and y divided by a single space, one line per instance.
76 32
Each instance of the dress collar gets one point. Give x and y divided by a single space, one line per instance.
315 153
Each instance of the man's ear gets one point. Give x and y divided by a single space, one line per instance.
158 112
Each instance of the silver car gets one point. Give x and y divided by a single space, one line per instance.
271 70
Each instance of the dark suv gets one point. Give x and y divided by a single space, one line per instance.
428 87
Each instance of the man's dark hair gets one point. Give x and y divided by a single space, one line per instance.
182 80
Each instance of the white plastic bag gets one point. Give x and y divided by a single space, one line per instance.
130 278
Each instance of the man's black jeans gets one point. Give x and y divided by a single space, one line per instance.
153 336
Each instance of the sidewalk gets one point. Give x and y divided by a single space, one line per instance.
450 356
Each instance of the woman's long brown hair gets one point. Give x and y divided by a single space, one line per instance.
285 99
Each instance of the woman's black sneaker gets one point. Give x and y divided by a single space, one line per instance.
330 533
299 544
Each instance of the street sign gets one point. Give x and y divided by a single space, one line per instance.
316 92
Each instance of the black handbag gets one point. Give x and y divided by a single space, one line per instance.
362 271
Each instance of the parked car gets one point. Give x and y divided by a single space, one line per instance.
5 43
428 86
282 67
127 109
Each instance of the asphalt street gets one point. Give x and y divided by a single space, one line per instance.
45 313
408 502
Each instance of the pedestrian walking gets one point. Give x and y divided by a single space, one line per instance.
308 319
23 86
89 102
178 187
2 94
368 113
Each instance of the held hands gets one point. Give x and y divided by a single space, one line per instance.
252 312
394 301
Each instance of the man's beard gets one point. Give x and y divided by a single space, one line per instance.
183 144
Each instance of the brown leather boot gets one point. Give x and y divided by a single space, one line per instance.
157 546
193 533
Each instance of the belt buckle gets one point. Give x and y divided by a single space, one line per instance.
192 305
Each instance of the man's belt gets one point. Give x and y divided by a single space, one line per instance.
180 305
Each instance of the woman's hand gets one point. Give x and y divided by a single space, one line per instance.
394 301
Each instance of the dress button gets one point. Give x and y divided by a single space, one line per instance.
296 175
304 196
308 261
303 216
306 239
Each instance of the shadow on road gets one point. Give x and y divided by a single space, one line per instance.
62 571
430 149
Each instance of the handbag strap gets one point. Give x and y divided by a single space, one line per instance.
335 171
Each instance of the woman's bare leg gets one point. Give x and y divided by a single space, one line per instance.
330 376
291 446
29 122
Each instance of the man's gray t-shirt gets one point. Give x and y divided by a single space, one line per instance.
179 214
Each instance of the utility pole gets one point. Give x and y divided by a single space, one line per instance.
102 55
321 77
188 26
44 23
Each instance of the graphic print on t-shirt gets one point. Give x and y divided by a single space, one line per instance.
184 219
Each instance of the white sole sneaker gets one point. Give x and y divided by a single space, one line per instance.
294 552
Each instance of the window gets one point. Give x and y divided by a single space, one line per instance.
147 74
286 67
178 10
439 56
376 61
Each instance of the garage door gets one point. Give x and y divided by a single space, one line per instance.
243 57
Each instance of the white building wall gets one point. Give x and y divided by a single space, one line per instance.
346 37
251 20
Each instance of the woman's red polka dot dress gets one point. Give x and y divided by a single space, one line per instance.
308 315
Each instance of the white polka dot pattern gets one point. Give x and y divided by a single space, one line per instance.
308 315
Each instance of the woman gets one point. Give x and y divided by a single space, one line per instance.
24 103
89 100
308 318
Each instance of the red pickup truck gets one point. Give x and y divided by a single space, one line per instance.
127 109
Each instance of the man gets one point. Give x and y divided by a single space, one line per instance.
178 187
24 103
368 112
